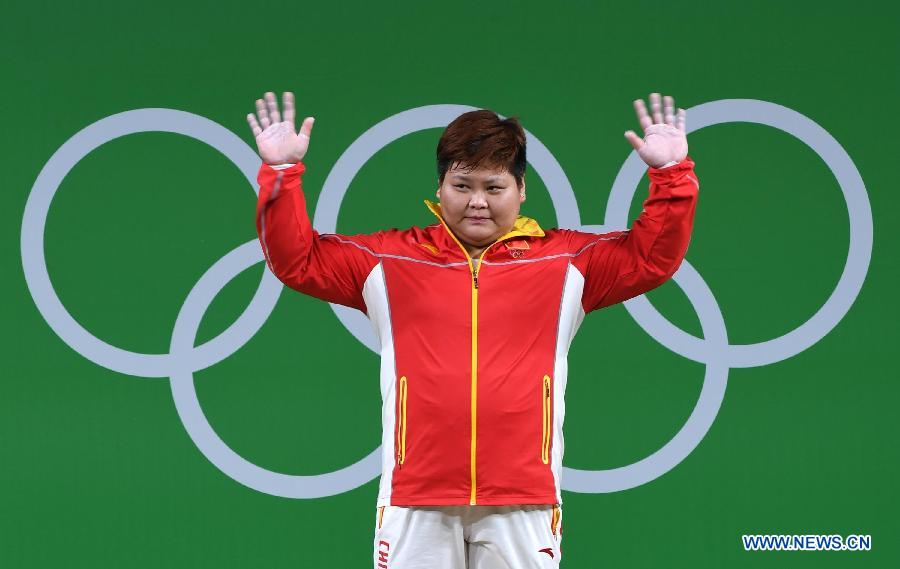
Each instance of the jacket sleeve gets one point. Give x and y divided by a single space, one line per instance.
623 264
327 266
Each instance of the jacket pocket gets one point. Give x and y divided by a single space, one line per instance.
401 421
546 404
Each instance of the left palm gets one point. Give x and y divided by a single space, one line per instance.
664 139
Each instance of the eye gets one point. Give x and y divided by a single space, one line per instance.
461 186
494 189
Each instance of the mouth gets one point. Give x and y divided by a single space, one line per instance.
477 219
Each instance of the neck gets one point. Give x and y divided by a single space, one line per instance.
474 251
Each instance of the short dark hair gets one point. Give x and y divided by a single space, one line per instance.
482 138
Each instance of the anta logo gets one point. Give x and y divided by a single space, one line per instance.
383 550
547 550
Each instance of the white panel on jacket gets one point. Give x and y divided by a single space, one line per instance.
571 315
379 311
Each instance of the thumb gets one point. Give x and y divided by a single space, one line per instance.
634 139
306 127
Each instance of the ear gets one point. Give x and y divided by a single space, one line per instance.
438 193
522 192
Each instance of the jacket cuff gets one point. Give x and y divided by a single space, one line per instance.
287 168
670 173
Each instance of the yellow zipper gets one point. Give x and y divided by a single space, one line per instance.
401 430
474 272
548 428
472 495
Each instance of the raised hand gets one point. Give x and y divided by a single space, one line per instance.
664 139
277 140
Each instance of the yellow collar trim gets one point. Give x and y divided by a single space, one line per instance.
523 227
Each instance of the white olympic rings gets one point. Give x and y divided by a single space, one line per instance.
184 358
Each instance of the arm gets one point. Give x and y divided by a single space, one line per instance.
329 267
624 264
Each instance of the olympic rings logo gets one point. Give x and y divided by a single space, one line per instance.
184 358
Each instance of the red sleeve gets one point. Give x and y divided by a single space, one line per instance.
623 264
327 266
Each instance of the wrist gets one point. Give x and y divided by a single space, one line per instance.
286 169
282 166
661 174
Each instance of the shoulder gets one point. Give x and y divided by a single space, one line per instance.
388 241
576 242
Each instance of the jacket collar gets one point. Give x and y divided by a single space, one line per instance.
523 226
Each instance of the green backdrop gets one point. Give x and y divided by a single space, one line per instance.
96 468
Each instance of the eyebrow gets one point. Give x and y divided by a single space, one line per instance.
467 178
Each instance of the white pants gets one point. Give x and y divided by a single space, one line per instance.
468 537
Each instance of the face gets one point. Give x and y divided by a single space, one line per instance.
480 205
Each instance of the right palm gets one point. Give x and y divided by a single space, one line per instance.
277 140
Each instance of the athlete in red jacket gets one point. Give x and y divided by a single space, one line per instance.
475 314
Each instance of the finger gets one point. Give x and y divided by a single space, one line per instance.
669 110
272 106
262 113
656 108
288 100
306 127
634 139
641 111
254 126
681 120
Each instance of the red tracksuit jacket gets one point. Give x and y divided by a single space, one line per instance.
474 356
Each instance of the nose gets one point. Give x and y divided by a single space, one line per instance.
478 200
